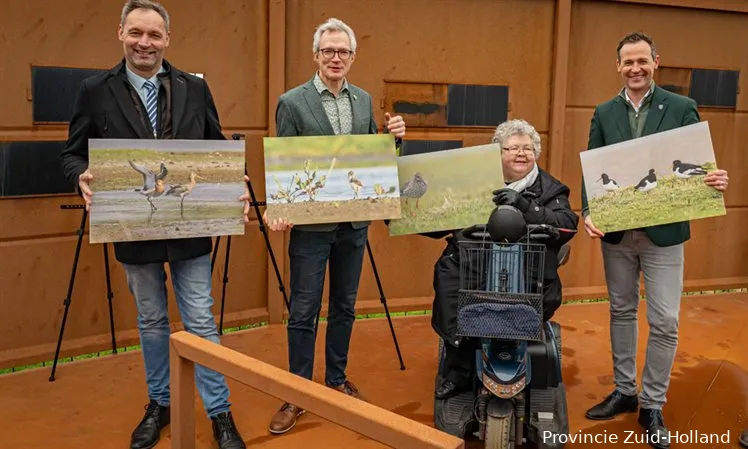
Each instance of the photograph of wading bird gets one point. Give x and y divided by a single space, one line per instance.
685 171
647 183
183 190
153 183
355 184
416 187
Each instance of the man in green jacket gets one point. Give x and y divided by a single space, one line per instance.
326 105
640 109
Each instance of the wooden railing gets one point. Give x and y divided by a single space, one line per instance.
369 420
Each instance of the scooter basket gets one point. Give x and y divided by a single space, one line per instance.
501 291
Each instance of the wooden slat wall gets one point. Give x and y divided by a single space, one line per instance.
252 51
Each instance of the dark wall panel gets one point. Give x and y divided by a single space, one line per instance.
32 168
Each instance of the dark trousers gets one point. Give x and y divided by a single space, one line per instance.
459 363
309 253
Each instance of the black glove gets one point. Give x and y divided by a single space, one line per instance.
509 197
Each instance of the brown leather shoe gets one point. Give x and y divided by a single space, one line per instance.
285 418
348 388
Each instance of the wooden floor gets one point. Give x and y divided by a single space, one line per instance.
96 403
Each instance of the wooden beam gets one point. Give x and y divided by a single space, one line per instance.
182 386
276 87
367 419
560 77
713 5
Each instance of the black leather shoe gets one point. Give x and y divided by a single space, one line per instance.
225 432
616 403
447 390
654 424
744 438
148 432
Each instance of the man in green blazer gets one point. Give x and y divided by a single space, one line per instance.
642 108
325 105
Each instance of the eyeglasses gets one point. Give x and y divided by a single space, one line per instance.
329 53
516 150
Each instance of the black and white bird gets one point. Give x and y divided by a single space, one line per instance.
684 170
610 185
647 183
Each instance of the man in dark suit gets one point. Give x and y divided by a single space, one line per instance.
144 97
640 109
325 105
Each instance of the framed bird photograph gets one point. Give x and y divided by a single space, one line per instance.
148 189
652 180
331 179
447 189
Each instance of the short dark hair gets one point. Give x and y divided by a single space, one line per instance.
132 5
633 38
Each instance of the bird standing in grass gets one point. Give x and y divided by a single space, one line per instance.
610 185
647 183
153 183
685 171
415 188
183 190
355 184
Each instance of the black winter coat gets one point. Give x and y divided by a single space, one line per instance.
549 204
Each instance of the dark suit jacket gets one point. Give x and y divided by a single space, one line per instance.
300 113
105 110
610 125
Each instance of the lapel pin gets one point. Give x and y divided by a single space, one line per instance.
355 97
660 107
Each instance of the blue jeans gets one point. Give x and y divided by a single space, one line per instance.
309 252
191 280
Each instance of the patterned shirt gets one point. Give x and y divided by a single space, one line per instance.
338 109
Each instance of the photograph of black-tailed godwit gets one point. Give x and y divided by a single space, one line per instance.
165 189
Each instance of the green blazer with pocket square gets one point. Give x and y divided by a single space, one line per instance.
610 125
300 113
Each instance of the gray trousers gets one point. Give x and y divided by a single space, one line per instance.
663 282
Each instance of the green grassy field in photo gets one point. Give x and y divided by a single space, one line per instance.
112 172
349 151
459 191
671 201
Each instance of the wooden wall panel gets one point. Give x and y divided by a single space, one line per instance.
437 41
684 37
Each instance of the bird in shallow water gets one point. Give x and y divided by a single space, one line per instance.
153 182
355 184
183 190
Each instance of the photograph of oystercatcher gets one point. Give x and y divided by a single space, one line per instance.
655 179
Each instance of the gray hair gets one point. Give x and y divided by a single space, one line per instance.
517 127
333 24
132 5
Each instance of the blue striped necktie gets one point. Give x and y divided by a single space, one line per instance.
151 104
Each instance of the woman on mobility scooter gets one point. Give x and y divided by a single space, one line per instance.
541 199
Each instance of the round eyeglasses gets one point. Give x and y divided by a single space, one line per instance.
329 53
